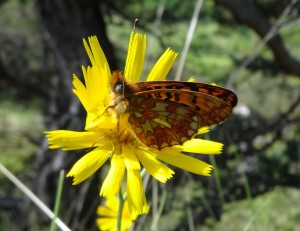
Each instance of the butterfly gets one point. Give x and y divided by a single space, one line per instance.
167 113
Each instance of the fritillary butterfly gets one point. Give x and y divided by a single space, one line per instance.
167 113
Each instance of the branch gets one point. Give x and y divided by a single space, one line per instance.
277 125
248 14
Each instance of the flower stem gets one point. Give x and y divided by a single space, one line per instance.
58 198
32 197
120 211
217 179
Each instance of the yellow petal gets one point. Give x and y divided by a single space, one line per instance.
191 79
110 224
203 130
71 140
114 175
89 95
110 209
157 169
135 57
96 54
89 163
107 212
107 224
130 159
162 66
137 203
125 129
80 91
126 214
175 158
99 119
202 146
97 85
112 203
126 224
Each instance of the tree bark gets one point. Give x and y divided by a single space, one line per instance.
68 22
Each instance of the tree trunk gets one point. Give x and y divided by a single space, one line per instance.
68 22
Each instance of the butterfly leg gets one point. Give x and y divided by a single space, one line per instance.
96 141
105 111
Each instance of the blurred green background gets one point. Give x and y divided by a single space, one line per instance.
249 46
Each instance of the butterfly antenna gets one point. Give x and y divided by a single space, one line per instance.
133 32
123 89
132 37
136 21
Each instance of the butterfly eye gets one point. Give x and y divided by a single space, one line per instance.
119 88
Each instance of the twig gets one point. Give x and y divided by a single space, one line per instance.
33 197
188 39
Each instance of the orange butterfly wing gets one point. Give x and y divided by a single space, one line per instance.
162 124
167 113
193 87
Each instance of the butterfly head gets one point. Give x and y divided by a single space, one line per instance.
120 91
118 84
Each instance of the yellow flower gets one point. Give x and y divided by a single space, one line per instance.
109 135
108 215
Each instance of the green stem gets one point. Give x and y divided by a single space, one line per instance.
120 211
57 198
32 197
217 179
162 202
245 178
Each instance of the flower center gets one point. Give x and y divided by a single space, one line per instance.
125 133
